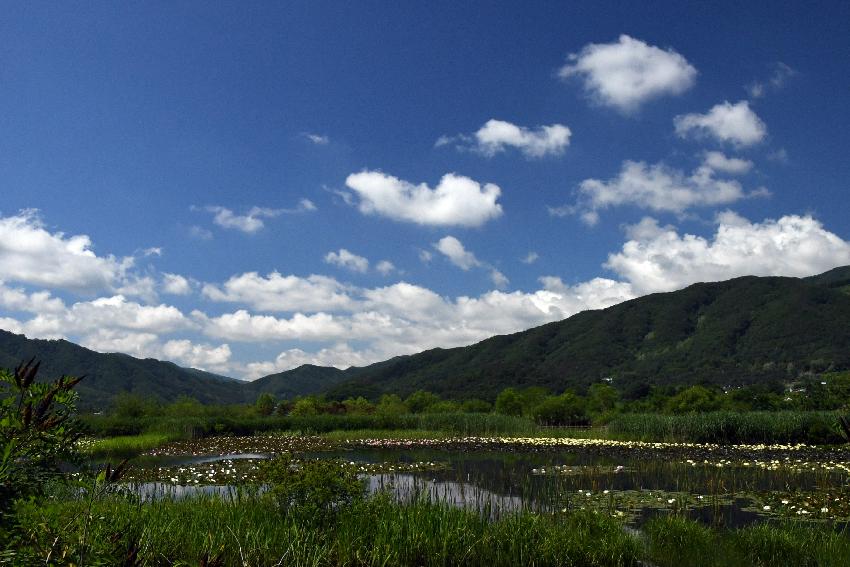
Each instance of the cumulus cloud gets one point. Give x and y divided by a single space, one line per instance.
627 73
19 300
725 122
656 187
453 249
30 254
175 284
495 136
457 254
148 345
660 259
456 200
718 161
318 320
203 356
247 327
348 260
276 292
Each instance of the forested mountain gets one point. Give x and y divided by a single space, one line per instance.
109 374
304 380
740 331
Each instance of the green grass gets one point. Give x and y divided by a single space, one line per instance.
126 445
251 530
812 427
673 541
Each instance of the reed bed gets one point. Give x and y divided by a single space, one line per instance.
812 427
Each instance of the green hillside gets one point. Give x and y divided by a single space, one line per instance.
739 331
301 381
110 374
746 330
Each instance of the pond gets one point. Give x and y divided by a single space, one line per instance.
724 485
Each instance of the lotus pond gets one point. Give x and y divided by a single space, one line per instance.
724 485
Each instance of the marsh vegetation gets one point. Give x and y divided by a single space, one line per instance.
248 486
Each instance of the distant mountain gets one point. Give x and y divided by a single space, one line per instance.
743 330
739 331
301 381
110 374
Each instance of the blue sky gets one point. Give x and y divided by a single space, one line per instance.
245 188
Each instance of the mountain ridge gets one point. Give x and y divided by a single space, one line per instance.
736 331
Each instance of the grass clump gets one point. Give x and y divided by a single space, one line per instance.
125 445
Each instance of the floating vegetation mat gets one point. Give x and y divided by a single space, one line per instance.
238 471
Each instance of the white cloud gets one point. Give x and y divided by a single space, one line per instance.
530 258
152 251
627 73
244 326
457 254
17 299
276 292
496 136
30 254
147 345
498 278
656 187
248 223
779 156
304 206
425 256
175 284
660 259
725 122
203 356
718 161
340 355
138 286
456 200
252 221
385 267
453 249
348 260
317 139
199 233
780 75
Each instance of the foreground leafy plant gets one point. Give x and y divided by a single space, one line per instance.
37 431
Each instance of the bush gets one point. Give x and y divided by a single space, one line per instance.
315 488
